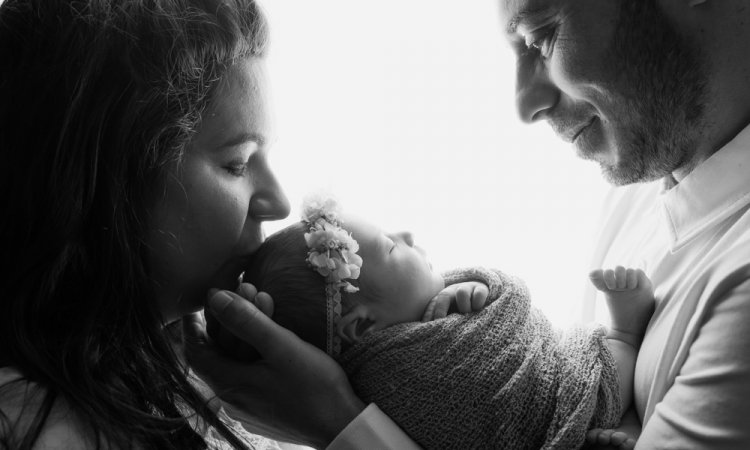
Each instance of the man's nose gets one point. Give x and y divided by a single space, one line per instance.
268 202
536 94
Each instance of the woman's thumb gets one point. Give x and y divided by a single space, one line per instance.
249 323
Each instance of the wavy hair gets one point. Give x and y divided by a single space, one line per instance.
98 98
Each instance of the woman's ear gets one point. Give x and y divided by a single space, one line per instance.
355 324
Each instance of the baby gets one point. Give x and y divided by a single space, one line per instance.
495 376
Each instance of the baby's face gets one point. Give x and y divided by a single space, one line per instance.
396 279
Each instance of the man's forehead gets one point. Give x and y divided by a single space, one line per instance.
516 12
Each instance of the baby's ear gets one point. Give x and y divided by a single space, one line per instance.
355 324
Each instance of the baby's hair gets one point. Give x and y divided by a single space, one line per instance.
279 267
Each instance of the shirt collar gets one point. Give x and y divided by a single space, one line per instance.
713 191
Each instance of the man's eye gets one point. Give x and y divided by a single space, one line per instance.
540 41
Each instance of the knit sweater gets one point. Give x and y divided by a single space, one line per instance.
499 378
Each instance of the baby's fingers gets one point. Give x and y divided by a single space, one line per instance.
592 435
604 437
618 438
597 278
429 311
621 277
463 299
437 308
479 297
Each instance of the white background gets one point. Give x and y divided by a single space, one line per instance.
405 110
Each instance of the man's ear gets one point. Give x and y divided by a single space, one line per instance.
355 324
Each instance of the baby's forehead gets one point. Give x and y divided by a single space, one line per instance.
358 224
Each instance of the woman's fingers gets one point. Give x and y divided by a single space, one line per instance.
194 329
264 302
253 326
247 290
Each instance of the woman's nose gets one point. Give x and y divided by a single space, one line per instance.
536 94
406 237
268 202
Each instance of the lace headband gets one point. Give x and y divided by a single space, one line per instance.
333 254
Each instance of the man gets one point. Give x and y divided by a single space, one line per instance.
658 93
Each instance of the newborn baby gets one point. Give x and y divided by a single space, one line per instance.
497 375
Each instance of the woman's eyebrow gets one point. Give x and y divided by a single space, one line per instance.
244 138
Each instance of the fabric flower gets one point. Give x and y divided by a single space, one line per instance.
333 250
317 207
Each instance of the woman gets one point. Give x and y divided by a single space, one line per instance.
134 178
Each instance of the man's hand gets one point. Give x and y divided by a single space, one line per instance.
295 393
462 297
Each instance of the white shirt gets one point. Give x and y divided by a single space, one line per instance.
692 377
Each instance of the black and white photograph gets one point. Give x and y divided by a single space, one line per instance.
396 225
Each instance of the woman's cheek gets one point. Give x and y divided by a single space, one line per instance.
218 206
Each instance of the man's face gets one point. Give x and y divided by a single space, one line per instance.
613 77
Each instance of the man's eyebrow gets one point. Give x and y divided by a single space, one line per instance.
244 138
525 15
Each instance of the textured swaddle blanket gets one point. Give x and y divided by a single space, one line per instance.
500 378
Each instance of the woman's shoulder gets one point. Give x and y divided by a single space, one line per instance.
21 401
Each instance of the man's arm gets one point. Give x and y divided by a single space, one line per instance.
707 407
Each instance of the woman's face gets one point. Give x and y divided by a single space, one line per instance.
208 220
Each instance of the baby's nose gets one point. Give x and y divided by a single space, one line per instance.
407 237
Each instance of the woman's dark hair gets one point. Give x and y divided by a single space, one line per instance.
279 267
98 98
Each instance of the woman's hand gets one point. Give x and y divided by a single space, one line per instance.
462 297
295 393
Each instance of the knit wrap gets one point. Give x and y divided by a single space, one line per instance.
499 378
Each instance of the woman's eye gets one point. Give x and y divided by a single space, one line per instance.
237 169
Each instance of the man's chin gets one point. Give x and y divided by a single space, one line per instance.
623 176
614 173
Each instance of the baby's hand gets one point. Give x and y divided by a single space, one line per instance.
630 297
465 297
610 437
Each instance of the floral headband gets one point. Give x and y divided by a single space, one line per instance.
333 254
